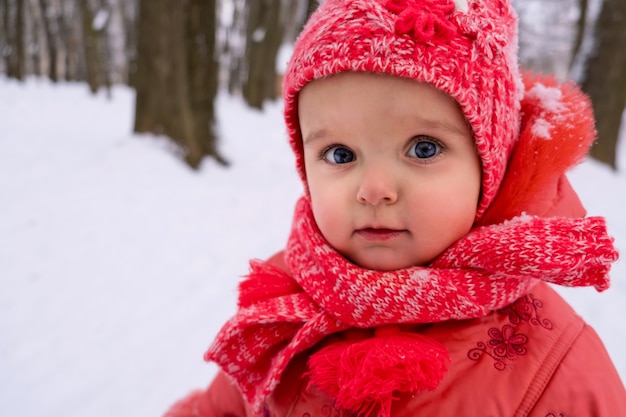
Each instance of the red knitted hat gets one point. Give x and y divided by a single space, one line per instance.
466 48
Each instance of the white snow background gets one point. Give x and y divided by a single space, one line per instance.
118 264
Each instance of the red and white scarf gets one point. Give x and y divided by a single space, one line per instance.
281 315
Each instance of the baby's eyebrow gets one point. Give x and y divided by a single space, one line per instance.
422 122
444 124
314 136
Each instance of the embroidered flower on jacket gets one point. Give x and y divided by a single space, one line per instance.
423 19
526 309
509 343
506 343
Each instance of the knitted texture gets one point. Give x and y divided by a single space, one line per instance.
488 269
282 315
470 53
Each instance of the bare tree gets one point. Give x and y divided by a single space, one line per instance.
95 17
311 6
71 35
581 25
13 50
265 30
49 20
604 78
176 79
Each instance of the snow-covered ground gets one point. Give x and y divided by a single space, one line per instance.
118 264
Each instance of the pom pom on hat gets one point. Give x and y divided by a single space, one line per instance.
466 48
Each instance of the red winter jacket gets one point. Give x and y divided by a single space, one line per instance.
534 358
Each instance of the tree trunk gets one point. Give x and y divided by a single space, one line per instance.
605 78
265 30
70 32
298 13
581 24
311 7
4 33
94 49
8 36
203 76
176 79
103 46
14 35
233 55
20 42
130 33
152 66
129 14
37 61
50 40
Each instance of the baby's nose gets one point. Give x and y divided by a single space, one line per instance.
377 186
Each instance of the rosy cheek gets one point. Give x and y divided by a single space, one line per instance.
324 221
317 208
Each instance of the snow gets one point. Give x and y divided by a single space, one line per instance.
541 129
100 20
118 264
258 35
549 97
282 58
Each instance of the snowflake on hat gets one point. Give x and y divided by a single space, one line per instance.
423 19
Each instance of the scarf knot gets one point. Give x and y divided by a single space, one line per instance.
281 315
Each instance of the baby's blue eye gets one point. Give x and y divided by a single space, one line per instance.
425 149
338 155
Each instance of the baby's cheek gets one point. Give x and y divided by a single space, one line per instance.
327 217
323 217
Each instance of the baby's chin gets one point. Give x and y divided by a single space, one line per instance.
385 262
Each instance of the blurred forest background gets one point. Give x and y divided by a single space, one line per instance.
178 54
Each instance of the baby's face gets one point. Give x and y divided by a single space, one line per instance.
391 168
